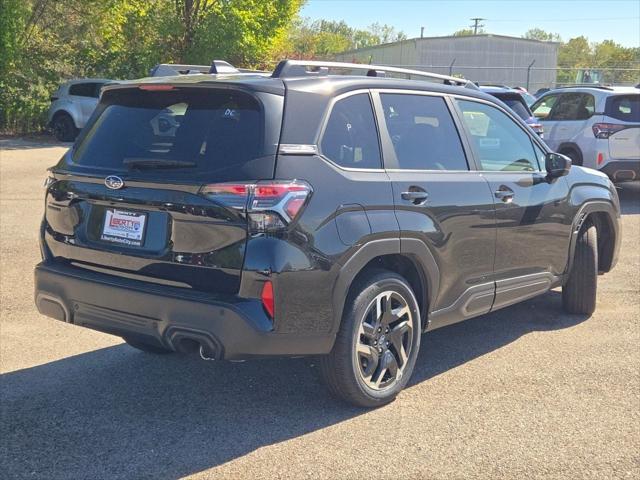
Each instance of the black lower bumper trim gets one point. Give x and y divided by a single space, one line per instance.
226 327
622 171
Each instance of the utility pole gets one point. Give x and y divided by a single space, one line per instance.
476 24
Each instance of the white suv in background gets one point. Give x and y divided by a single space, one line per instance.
72 105
596 126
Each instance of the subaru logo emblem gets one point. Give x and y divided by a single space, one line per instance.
114 182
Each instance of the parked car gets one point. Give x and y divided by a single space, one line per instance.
314 214
515 101
71 106
598 127
541 91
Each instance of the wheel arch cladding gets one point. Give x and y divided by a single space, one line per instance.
385 254
606 239
603 215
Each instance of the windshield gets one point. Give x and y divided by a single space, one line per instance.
178 132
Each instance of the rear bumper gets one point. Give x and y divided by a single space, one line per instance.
622 171
227 327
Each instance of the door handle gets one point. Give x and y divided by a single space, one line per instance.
505 194
415 196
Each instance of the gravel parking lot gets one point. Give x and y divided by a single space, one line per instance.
524 392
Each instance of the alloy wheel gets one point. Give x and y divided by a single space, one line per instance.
384 340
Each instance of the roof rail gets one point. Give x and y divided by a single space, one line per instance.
587 85
300 68
170 69
217 67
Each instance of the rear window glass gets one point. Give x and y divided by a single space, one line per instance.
624 107
85 89
180 132
517 104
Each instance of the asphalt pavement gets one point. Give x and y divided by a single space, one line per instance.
526 392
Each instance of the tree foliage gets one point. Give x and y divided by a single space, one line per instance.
466 32
324 38
539 34
46 41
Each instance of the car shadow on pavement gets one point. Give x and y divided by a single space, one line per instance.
629 194
30 143
120 413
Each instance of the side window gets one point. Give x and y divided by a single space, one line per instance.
96 89
542 107
541 157
82 89
573 106
501 144
423 133
351 137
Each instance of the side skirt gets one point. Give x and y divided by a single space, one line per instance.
488 297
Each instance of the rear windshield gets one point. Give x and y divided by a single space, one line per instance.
516 103
178 133
624 107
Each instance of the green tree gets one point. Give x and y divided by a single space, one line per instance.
539 34
47 41
325 38
465 32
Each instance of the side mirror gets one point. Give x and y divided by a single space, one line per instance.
557 165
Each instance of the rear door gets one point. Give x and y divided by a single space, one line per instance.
622 112
160 205
533 218
567 119
439 200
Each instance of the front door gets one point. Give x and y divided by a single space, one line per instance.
533 218
439 201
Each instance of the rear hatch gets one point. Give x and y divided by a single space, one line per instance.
624 126
128 199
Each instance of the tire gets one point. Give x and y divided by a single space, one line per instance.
147 347
369 346
579 293
575 156
63 128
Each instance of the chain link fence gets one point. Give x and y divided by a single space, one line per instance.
533 78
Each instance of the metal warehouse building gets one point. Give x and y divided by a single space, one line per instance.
482 58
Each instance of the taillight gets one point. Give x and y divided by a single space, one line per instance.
600 158
537 127
266 296
270 205
605 130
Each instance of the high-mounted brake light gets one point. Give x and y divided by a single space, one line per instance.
605 130
270 205
156 88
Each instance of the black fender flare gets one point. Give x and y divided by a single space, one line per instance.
410 247
589 207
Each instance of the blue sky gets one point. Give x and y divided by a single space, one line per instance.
618 20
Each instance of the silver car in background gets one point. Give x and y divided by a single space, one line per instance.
596 126
71 106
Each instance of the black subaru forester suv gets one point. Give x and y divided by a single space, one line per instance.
308 213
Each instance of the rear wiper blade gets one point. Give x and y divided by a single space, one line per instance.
156 163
